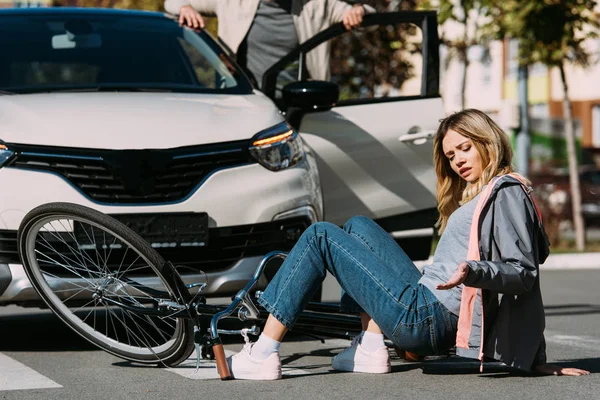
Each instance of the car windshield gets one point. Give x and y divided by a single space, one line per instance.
82 52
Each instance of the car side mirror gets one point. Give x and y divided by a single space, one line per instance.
311 95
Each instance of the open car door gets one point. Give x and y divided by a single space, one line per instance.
374 146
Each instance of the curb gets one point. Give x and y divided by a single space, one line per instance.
572 261
557 262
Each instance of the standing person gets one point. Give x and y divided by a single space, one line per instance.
261 32
492 244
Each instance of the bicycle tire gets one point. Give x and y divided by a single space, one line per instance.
76 270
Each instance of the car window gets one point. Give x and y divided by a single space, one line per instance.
380 61
375 62
73 52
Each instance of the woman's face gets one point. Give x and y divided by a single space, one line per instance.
462 156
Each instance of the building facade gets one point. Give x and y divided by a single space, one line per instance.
492 87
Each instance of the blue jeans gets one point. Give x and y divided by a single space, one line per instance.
374 272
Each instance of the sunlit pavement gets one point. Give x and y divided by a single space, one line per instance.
42 359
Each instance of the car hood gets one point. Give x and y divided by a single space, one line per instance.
121 120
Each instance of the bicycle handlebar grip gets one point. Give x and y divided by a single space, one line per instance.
222 366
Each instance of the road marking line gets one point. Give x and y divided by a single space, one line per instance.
582 342
208 368
17 376
554 262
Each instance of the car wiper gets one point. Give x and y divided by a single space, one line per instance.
116 87
6 92
109 88
133 89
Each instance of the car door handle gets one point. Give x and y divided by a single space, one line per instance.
420 137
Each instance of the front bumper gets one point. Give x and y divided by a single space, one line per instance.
225 282
251 211
225 264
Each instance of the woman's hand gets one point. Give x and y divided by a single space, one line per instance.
353 17
551 369
457 278
190 17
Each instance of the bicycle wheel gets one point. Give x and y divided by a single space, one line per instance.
105 282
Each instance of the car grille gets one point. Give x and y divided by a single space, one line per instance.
225 247
8 247
134 176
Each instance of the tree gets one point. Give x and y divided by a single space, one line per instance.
469 15
375 62
553 32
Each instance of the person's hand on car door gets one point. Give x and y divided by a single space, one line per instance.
190 17
353 17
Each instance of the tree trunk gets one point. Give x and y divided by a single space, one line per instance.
523 139
463 86
573 169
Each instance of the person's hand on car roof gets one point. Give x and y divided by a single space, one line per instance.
190 17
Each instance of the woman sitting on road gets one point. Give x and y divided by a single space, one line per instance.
497 256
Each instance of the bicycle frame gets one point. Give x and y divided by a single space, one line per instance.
247 310
319 318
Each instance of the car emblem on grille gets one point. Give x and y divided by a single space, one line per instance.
137 169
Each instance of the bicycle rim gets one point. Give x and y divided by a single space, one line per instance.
85 270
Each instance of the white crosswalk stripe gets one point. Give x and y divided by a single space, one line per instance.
17 376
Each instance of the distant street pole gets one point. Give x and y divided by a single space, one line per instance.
523 141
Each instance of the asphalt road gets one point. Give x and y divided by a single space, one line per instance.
42 359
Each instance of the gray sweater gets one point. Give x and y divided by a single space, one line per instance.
450 251
272 35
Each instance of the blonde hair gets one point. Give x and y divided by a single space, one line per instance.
493 147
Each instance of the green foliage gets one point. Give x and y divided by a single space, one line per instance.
366 62
549 31
469 14
366 59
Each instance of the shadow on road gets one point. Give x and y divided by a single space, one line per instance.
590 364
497 369
38 331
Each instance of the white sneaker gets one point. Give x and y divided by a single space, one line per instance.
356 359
243 366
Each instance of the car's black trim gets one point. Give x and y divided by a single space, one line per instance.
379 100
8 247
5 277
226 245
414 220
133 177
417 248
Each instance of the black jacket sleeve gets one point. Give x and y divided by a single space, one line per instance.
513 238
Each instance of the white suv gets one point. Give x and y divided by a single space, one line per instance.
154 124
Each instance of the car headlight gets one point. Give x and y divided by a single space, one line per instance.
5 154
278 147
